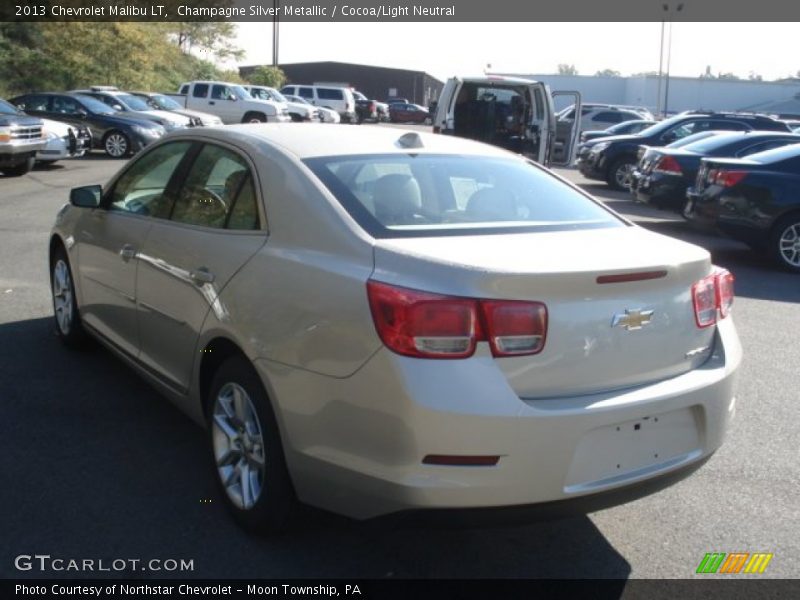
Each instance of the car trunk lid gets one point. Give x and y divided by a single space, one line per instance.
601 333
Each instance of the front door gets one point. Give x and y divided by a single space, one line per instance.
214 228
111 238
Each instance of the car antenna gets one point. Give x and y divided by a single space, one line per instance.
410 140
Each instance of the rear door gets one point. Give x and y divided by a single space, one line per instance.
215 226
565 139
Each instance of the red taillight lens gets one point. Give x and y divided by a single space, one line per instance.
421 324
724 285
514 328
729 178
667 164
704 296
426 325
711 294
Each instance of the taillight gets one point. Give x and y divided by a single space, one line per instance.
724 286
421 324
729 178
667 164
514 328
426 325
711 294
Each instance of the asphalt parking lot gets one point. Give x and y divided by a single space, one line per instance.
97 465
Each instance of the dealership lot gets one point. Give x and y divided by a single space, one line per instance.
102 467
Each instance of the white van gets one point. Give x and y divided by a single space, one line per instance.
339 99
516 114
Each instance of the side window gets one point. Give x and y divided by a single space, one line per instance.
184 89
306 92
218 192
65 105
726 125
200 90
221 92
608 117
329 94
142 188
36 103
761 147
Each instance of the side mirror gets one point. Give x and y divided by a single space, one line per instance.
81 113
116 106
232 98
87 196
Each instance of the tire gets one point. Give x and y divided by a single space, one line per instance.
240 413
254 117
117 144
784 242
619 173
65 304
20 169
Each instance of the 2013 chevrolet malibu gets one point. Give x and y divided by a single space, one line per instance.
394 320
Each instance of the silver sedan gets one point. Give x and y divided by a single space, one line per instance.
387 320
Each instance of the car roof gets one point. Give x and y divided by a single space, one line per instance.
315 140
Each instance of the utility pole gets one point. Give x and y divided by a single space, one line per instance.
275 22
668 10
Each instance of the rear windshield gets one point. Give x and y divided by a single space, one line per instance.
776 154
407 195
714 142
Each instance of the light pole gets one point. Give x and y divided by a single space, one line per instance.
660 70
276 5
668 10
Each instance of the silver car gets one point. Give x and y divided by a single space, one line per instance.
392 320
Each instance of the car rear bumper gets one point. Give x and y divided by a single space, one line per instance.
356 445
658 190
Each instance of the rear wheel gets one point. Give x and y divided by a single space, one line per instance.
20 169
253 117
246 450
65 305
619 175
784 242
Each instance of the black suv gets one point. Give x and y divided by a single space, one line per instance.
613 159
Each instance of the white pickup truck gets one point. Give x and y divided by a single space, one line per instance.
230 102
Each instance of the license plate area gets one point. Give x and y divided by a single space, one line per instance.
632 450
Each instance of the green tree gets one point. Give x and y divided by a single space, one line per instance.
268 76
565 69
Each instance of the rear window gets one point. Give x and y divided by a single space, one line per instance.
403 195
714 142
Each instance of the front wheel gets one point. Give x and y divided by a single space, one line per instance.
20 169
254 118
247 451
784 242
117 144
620 173
65 306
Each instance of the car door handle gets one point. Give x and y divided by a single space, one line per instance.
201 276
211 102
127 252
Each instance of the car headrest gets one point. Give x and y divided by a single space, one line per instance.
397 198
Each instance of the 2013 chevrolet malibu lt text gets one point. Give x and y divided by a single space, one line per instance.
396 320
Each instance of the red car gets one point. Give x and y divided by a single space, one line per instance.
408 113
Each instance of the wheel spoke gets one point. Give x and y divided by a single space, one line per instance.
247 491
229 458
226 428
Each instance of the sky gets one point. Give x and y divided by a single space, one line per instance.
771 50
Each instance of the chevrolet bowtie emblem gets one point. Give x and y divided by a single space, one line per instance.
631 319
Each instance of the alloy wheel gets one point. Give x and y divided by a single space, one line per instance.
116 145
63 297
789 245
238 445
623 175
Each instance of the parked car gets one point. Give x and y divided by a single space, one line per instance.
397 100
613 159
117 133
466 352
624 128
753 200
664 174
230 102
366 109
326 115
340 99
63 141
601 118
585 149
298 111
20 139
136 106
512 113
591 107
408 113
164 102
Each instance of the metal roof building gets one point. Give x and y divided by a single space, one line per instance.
377 83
